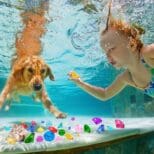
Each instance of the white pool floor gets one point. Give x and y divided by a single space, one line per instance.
133 126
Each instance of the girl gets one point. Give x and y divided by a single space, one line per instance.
124 49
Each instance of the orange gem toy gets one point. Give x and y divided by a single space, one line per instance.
74 75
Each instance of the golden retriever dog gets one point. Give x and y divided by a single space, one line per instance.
28 69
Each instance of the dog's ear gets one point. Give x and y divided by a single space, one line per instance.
18 73
18 70
50 74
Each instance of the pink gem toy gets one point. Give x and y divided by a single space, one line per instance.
78 128
97 120
39 139
33 122
119 124
58 138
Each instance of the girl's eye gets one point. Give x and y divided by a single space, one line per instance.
30 70
110 50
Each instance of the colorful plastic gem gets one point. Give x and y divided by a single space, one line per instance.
60 125
40 130
61 132
97 120
109 128
58 138
119 123
100 129
49 136
29 138
42 121
7 128
24 125
69 128
73 118
33 122
52 129
31 128
11 140
69 136
39 138
78 128
87 128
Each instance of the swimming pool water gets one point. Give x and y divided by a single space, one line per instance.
71 42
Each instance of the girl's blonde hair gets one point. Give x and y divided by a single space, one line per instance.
133 31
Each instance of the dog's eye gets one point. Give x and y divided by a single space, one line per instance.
30 70
42 71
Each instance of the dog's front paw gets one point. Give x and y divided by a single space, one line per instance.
7 108
60 115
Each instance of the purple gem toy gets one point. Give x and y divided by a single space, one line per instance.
97 120
73 118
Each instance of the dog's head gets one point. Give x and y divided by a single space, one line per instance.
32 71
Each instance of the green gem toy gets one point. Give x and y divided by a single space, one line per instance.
152 71
87 128
29 138
61 132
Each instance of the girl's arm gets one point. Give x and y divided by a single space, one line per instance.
148 54
105 93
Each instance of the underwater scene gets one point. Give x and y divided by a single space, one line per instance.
55 72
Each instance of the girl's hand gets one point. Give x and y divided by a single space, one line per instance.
74 76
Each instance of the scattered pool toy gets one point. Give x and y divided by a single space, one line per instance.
33 123
11 140
74 75
19 131
73 118
60 125
78 128
52 129
42 121
119 123
69 136
7 128
39 138
31 128
69 128
100 129
49 136
87 128
30 138
61 132
109 128
24 125
58 138
40 130
97 120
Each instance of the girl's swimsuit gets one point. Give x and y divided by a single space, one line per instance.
150 89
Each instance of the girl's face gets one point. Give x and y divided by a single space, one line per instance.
116 47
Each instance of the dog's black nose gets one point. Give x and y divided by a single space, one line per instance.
37 87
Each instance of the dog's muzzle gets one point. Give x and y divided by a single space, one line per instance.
37 87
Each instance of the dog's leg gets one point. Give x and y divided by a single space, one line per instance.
49 105
4 94
7 107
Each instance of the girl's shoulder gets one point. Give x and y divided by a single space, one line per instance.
147 51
